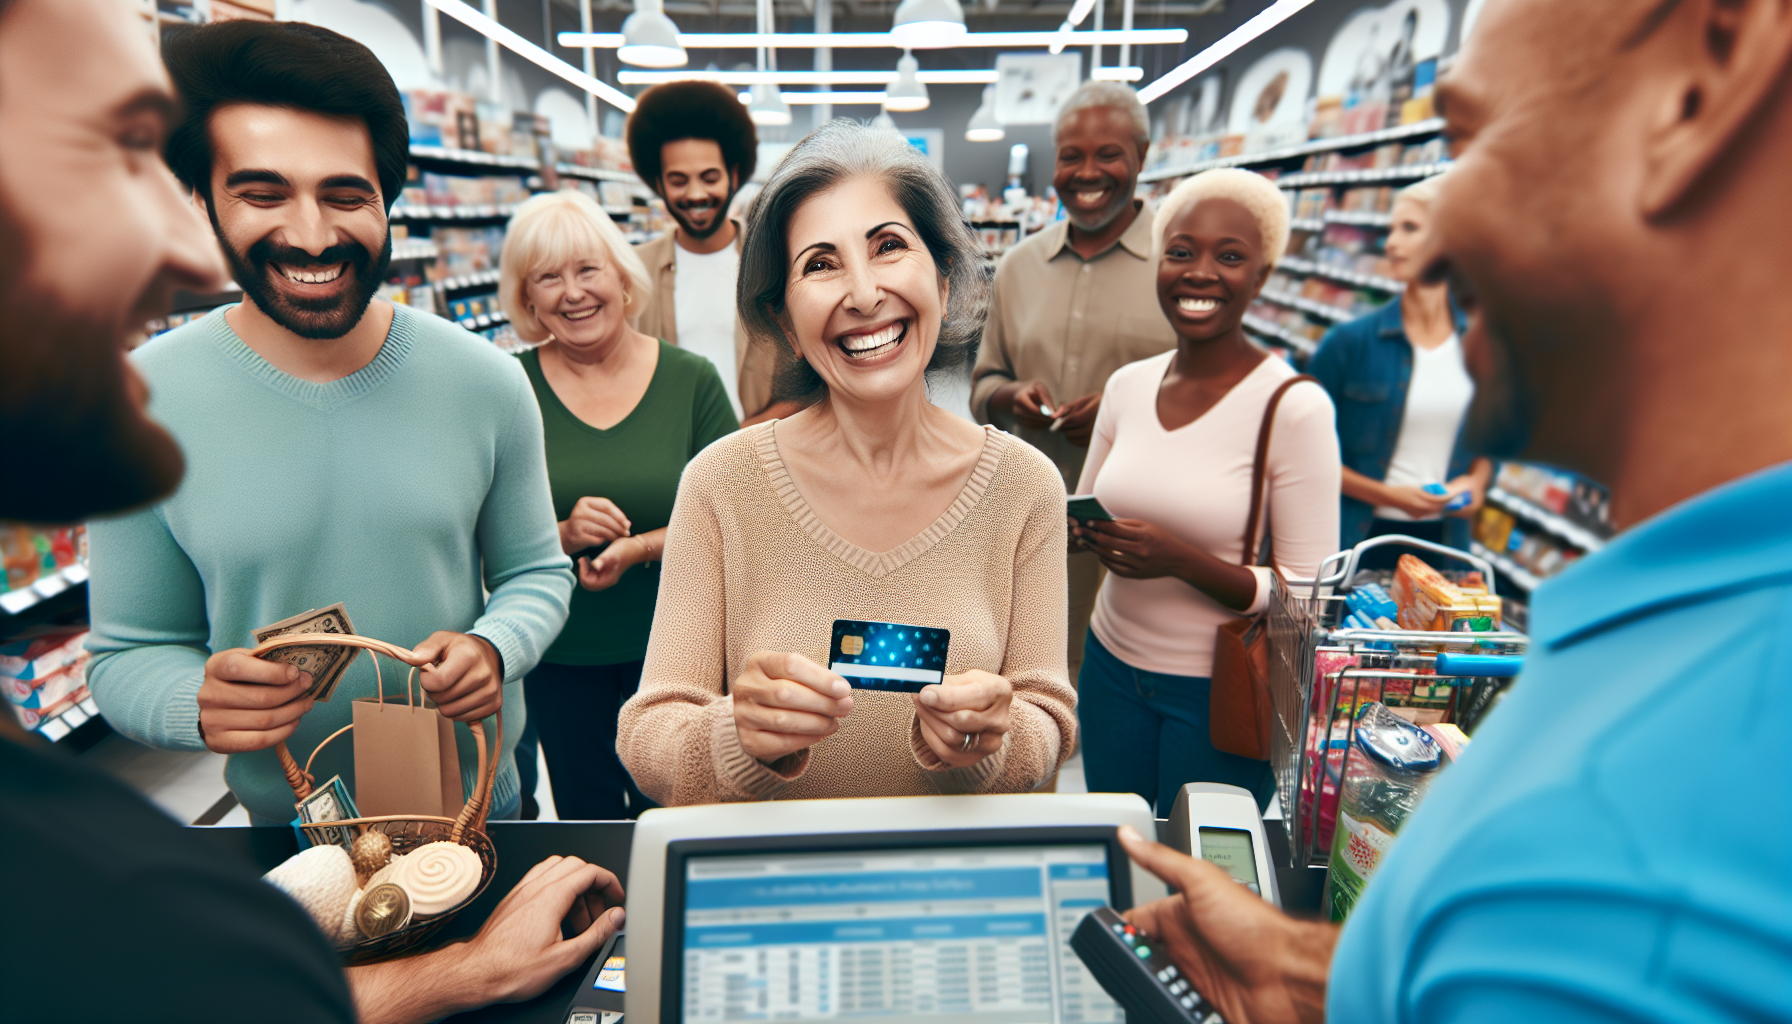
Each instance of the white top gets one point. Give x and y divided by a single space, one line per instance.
1436 400
703 309
1195 482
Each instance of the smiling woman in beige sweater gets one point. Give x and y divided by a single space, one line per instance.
870 504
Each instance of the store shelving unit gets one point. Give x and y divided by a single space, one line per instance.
1365 140
1508 569
1311 268
1535 514
1330 314
1300 344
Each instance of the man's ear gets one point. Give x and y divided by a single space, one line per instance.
1733 56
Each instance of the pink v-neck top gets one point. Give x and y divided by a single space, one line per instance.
750 567
1195 482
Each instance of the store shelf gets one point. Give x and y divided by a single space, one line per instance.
484 320
1318 309
483 278
1306 224
1537 515
68 720
1276 332
1272 156
489 211
1361 218
1313 269
16 602
1367 176
599 174
414 249
473 158
620 211
1508 569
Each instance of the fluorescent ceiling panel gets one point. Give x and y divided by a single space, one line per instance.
534 54
1229 44
841 40
805 77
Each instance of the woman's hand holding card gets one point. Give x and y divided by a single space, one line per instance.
964 719
784 703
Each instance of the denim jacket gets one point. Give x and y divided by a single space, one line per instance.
1366 366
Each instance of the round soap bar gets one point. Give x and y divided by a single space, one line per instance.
438 876
322 880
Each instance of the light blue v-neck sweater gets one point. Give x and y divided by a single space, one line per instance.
404 490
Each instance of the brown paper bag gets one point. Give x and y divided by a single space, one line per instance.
406 760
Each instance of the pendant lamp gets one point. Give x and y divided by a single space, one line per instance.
907 93
983 126
923 24
650 39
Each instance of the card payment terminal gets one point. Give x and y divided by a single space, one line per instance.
1221 824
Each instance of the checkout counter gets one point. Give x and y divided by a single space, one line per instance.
522 844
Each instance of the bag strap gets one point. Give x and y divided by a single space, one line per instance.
1260 465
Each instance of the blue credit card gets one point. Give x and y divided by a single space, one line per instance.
888 655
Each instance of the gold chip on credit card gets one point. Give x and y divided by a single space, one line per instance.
852 645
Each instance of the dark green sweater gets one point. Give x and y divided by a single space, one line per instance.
635 464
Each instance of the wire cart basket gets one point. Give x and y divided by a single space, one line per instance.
1321 672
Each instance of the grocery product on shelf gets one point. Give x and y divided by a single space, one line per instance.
30 553
44 674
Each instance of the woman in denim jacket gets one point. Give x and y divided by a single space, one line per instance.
1397 379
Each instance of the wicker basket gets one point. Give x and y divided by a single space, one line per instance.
407 832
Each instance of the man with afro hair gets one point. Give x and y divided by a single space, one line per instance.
694 145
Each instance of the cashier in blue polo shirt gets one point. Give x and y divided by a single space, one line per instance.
1616 844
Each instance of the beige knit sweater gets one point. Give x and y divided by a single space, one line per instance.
748 567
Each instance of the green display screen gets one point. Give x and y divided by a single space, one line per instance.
1230 848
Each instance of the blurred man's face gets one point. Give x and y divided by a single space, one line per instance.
1097 167
95 236
696 185
1532 222
296 203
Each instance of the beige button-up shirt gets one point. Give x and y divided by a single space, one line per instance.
1069 322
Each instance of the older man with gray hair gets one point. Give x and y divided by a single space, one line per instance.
1076 302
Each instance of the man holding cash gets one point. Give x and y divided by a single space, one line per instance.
114 910
339 449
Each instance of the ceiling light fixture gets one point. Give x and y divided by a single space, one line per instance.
768 106
983 126
907 93
650 39
534 54
885 122
928 24
813 98
848 40
1077 14
979 77
1112 74
1262 22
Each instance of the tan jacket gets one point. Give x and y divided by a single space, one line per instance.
753 365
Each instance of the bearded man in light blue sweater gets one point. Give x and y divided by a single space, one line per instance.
338 448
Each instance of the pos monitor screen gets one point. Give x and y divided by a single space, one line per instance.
937 926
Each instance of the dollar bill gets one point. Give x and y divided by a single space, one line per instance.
329 802
325 663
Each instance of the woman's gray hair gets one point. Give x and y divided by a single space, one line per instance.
830 155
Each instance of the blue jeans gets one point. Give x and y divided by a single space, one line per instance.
1146 733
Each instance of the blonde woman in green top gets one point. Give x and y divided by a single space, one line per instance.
622 413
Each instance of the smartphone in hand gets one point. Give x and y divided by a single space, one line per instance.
888 655
1086 507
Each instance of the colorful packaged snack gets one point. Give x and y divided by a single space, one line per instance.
1390 765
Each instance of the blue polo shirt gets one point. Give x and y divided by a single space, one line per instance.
1615 845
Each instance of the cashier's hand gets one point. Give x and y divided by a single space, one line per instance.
1076 418
556 918
784 703
464 675
973 703
1255 963
247 704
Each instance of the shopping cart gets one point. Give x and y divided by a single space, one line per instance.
1321 672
